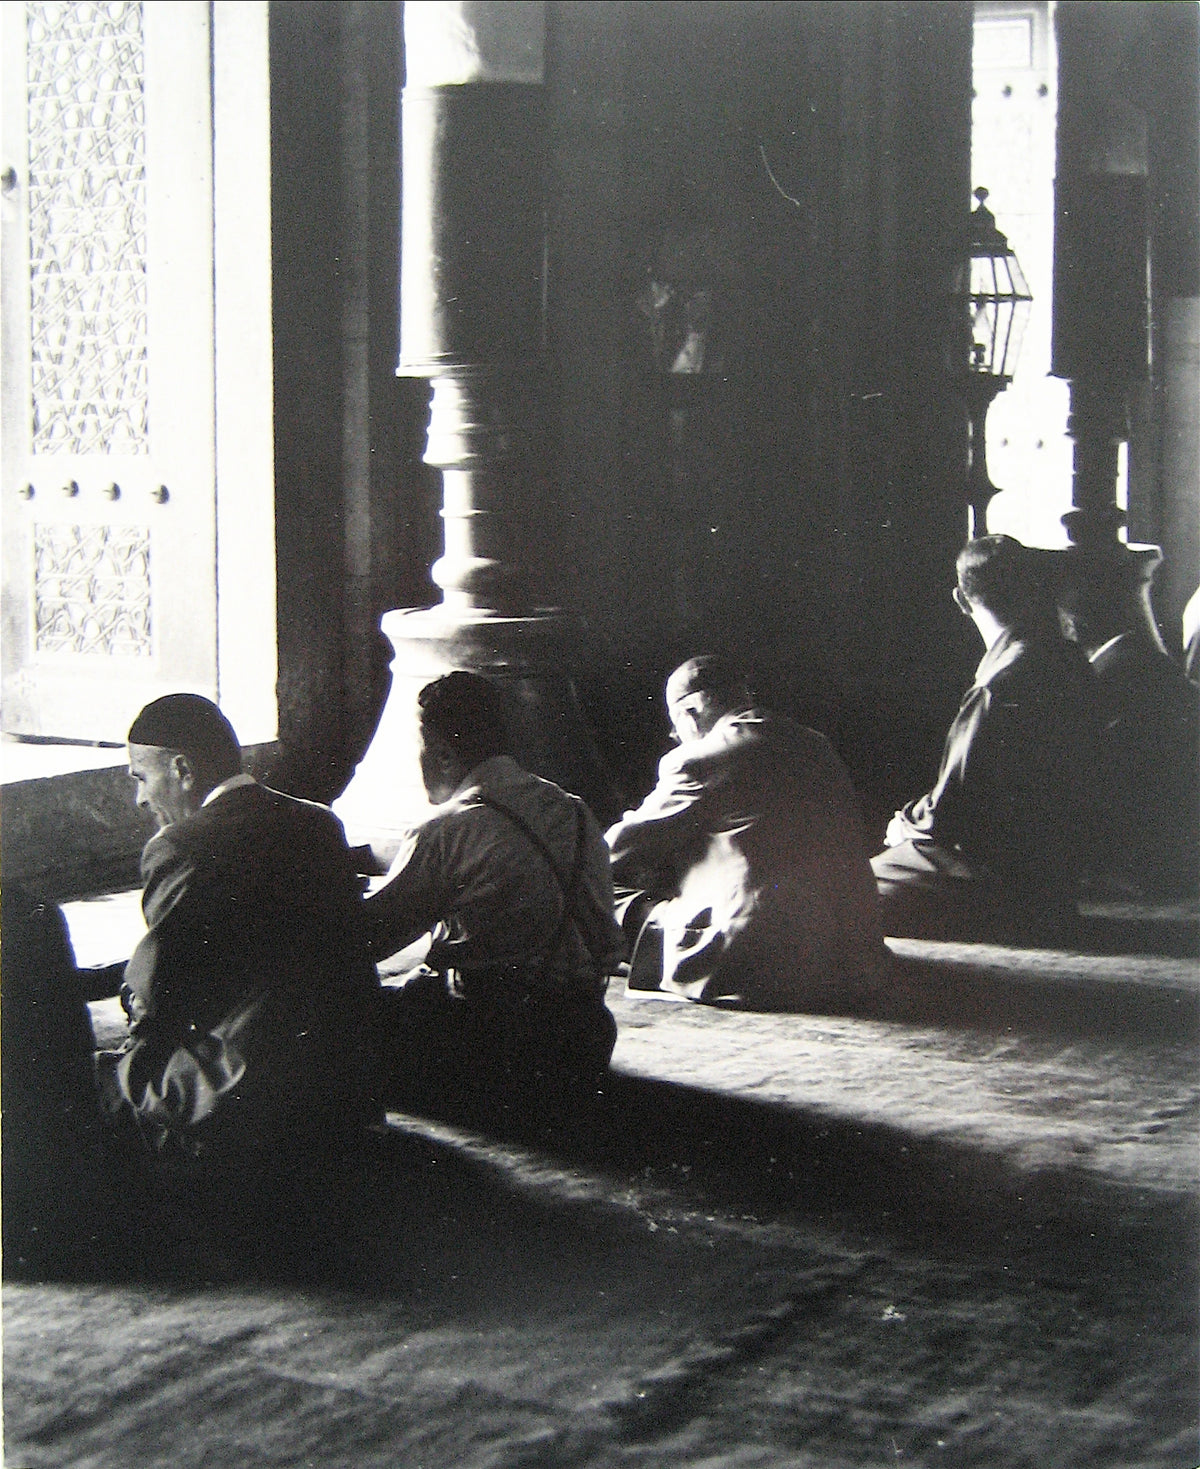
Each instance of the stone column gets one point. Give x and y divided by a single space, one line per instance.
472 322
1101 297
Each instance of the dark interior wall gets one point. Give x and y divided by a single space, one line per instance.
355 508
305 171
807 167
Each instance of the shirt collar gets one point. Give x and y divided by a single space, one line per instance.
1005 650
1105 648
234 781
487 772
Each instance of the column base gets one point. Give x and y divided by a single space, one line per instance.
531 658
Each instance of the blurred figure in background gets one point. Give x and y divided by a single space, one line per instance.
1150 742
999 846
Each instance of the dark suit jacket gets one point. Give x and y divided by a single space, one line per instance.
1017 787
251 995
755 830
1151 744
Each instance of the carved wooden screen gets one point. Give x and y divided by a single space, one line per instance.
109 591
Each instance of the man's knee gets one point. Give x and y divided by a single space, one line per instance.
921 896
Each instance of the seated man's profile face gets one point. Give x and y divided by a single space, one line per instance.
163 783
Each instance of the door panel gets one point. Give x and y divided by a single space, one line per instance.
107 497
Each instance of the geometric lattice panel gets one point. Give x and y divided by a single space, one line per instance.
92 589
87 226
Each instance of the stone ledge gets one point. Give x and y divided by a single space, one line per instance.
79 834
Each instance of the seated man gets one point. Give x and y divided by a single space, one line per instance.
510 878
58 1214
1150 740
251 997
998 846
750 856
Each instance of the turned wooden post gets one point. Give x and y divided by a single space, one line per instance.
472 323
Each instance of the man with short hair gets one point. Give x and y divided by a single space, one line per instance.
251 997
747 862
509 877
998 846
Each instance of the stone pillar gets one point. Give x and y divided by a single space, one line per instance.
472 323
1101 297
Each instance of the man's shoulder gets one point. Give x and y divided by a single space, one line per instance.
1135 676
752 732
1135 657
744 744
289 808
1041 661
501 781
234 817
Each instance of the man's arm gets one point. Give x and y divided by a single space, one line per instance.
175 937
985 770
647 844
416 895
594 913
158 989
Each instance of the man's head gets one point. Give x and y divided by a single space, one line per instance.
700 692
1097 600
996 576
462 724
180 748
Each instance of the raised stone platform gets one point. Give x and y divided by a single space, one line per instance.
960 1231
1036 1058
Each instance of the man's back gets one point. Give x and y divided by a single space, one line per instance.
491 867
1014 792
774 784
998 846
509 876
757 826
253 911
1151 715
255 888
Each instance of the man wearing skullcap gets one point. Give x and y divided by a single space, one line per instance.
743 875
251 996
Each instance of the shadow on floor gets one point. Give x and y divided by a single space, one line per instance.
1041 992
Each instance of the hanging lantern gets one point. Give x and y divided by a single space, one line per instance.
993 286
990 286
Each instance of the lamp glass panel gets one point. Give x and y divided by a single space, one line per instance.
1010 350
985 328
999 300
1016 276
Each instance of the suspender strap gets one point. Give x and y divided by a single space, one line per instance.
568 888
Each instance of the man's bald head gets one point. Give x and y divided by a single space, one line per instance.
701 691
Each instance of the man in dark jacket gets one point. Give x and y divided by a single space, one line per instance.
1150 769
1000 842
251 996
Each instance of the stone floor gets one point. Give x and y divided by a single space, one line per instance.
959 1231
1040 1057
